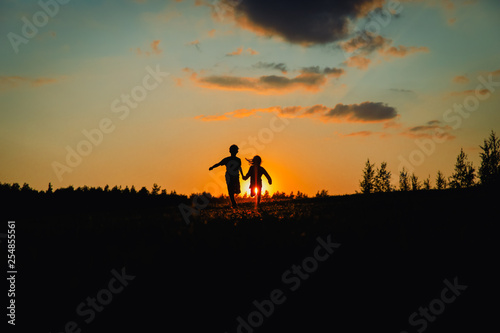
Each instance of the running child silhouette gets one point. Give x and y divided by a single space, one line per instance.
233 166
255 174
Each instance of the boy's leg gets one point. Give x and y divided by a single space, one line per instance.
231 196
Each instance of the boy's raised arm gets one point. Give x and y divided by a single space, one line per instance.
223 162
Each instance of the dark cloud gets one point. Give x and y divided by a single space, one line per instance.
271 65
264 84
364 112
336 72
301 22
310 78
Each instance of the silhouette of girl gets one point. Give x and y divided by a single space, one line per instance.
255 174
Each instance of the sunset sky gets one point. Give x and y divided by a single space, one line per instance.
141 92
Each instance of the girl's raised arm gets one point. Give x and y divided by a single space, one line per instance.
267 176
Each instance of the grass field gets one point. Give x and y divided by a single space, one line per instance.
389 255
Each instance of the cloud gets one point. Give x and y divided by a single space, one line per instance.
460 79
365 44
470 92
240 51
195 43
272 65
358 62
403 51
360 133
359 48
327 71
401 90
155 49
252 51
431 129
9 82
310 79
306 23
366 112
264 84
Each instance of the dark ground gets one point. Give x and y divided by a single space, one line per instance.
396 250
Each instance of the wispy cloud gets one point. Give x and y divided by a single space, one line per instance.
366 112
154 49
272 65
403 51
9 82
195 43
240 51
431 129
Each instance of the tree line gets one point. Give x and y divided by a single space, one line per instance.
464 174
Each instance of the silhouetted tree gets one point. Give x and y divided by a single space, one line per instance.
155 190
427 183
464 172
415 184
404 181
300 195
26 188
440 181
367 183
322 194
266 195
50 189
489 171
143 191
382 181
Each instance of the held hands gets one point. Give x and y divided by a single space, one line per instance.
211 168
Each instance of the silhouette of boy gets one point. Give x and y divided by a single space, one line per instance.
255 174
233 166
